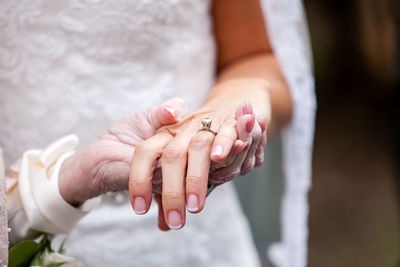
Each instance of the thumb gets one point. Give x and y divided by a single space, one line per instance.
170 112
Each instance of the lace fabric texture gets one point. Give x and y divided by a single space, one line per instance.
3 215
75 66
79 63
289 38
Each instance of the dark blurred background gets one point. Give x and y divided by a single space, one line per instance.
355 199
354 213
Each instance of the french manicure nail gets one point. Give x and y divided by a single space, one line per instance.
174 220
139 206
217 151
193 203
170 110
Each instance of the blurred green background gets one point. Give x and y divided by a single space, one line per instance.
354 202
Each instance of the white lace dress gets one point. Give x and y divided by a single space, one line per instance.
74 66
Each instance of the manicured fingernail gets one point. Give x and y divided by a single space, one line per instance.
248 109
240 146
174 220
217 151
139 206
263 124
250 124
170 110
193 203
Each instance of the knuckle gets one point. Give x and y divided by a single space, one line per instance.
236 172
251 162
145 148
229 177
244 171
228 128
257 133
226 136
140 183
230 122
248 165
194 179
173 153
140 148
256 136
172 195
260 161
200 141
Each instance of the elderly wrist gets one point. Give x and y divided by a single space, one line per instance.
77 174
67 182
88 173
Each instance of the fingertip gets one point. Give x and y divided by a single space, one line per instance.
264 139
140 205
218 153
193 204
176 219
162 225
259 163
216 158
239 146
247 107
167 115
263 123
177 107
259 159
250 123
241 127
140 201
171 110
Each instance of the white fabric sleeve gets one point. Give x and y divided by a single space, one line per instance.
43 207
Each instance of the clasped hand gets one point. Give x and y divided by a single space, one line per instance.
171 158
193 159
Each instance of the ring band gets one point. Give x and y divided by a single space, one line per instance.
206 122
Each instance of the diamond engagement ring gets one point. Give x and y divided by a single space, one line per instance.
207 126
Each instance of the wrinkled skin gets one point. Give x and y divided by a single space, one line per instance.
104 165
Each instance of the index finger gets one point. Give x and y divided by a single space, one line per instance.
142 166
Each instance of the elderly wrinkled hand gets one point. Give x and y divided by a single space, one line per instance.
103 166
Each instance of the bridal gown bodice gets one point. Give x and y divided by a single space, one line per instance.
74 66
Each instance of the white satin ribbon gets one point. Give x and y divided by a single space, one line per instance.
45 208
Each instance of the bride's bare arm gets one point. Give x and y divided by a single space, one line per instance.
246 62
247 71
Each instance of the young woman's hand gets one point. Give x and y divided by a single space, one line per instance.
185 160
245 154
